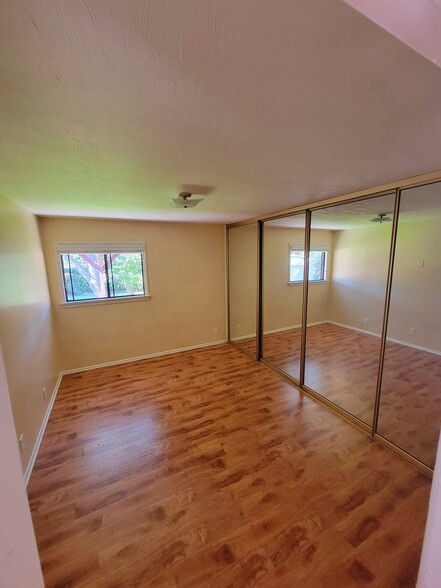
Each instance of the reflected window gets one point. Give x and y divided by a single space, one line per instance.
317 264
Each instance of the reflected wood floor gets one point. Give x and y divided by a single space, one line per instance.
206 469
342 365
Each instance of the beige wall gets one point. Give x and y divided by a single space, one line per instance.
358 285
186 273
243 280
355 290
26 326
416 292
359 278
19 563
430 566
283 302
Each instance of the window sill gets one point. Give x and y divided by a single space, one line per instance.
105 301
315 282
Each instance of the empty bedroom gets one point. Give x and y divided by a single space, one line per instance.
220 279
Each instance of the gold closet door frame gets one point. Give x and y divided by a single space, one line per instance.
307 209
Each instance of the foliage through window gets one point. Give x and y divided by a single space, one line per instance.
94 275
317 265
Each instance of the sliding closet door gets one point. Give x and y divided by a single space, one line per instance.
349 256
242 266
410 402
283 263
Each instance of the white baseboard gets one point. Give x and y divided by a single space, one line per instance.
140 357
291 327
30 466
391 339
364 331
243 337
31 463
281 330
351 328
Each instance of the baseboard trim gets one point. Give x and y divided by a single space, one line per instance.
291 327
351 328
281 330
31 462
391 339
141 357
242 337
364 331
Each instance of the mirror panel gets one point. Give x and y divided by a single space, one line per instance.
346 301
410 402
283 258
242 266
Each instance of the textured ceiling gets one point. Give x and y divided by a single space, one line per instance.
109 107
423 202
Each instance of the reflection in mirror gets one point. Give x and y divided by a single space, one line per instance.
410 402
345 308
283 257
242 266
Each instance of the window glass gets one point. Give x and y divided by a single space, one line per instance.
93 276
317 265
126 274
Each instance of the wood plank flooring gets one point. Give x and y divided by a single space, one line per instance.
342 364
206 469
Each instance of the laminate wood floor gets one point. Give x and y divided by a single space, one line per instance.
206 469
342 365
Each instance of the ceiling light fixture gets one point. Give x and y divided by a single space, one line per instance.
381 218
182 201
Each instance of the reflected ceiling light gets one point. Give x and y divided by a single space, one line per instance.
381 218
182 201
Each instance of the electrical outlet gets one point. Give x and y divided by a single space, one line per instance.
411 331
215 331
366 322
238 327
420 263
21 443
44 392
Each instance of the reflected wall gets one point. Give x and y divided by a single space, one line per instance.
343 341
410 401
283 261
242 264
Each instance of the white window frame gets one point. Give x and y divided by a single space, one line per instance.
95 247
297 247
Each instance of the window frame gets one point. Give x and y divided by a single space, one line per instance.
102 248
325 252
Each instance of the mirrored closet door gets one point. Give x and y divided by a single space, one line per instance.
349 257
410 401
243 271
371 345
283 263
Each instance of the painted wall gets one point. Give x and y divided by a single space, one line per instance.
359 277
415 22
283 302
355 290
358 285
186 273
416 292
243 280
19 562
430 566
26 326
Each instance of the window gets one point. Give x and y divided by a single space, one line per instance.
317 264
102 271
